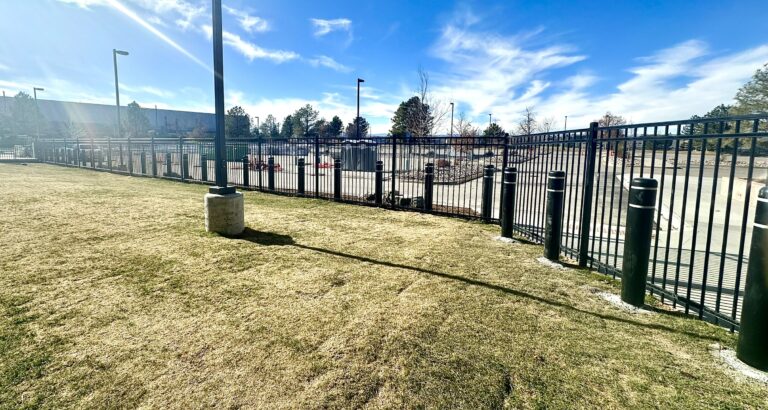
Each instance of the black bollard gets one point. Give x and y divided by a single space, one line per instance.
379 189
487 207
83 157
246 171
554 222
337 179
184 166
508 204
109 153
204 167
301 176
752 348
143 157
271 173
130 158
637 245
429 181
168 164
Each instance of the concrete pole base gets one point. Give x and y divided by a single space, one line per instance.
224 214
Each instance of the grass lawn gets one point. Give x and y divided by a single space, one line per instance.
113 295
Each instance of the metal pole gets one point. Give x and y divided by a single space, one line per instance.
565 127
487 206
337 179
246 179
429 180
554 224
271 173
117 93
357 125
377 197
752 348
637 245
204 167
301 176
451 120
586 196
218 85
508 205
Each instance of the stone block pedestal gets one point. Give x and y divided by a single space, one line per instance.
224 214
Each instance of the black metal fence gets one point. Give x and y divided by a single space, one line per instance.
708 172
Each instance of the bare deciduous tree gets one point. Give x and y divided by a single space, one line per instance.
528 124
437 110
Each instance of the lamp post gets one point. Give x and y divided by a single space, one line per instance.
224 210
357 126
451 119
37 119
115 52
565 127
489 120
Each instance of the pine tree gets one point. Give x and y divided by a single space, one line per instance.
286 131
237 123
752 97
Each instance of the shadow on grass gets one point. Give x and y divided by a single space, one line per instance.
274 239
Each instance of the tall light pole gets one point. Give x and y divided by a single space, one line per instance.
489 120
357 126
224 210
37 119
115 52
565 127
451 119
258 131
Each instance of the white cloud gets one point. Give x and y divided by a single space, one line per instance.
329 62
250 50
84 4
323 27
4 67
249 23
145 89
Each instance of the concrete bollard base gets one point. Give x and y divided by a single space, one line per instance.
224 214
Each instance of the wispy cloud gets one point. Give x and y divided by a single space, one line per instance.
186 13
4 67
85 4
328 62
250 50
249 23
323 27
145 89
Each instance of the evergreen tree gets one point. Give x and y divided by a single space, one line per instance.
351 131
303 120
287 129
237 123
412 116
268 128
335 126
752 97
493 130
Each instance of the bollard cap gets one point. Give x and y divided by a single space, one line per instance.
763 192
556 174
642 193
645 183
510 170
761 211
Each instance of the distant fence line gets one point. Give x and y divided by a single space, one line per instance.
708 172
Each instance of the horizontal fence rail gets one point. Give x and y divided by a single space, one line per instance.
708 172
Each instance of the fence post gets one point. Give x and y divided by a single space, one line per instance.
429 180
586 195
120 151
77 152
337 179
257 163
301 176
184 167
168 164
752 348
93 155
508 202
109 153
204 167
377 197
154 156
637 243
143 158
393 203
554 222
246 179
487 206
271 173
130 157
317 165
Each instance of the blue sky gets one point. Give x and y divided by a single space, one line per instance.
647 60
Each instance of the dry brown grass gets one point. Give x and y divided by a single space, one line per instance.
112 295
